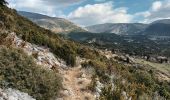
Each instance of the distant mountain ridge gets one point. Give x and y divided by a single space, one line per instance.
60 25
162 21
158 28
57 25
118 28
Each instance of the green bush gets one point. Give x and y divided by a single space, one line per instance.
108 93
19 71
145 78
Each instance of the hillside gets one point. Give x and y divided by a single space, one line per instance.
57 25
119 28
162 21
158 30
40 63
34 50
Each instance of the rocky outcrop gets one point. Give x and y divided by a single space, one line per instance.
12 94
98 88
42 55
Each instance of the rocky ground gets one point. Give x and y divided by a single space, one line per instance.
12 94
42 55
75 85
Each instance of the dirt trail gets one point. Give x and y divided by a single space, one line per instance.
75 82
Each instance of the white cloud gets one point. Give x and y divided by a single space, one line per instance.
48 7
158 10
100 13
93 13
156 5
144 14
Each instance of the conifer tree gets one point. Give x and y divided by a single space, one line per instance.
3 2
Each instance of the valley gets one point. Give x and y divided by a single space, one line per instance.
140 45
51 58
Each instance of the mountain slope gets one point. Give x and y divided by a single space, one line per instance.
39 43
120 28
162 21
109 77
158 28
30 32
57 25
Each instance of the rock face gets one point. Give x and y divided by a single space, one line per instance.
98 88
42 55
11 94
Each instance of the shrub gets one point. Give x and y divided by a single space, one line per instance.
19 71
145 77
108 93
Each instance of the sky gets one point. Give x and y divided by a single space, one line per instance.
91 12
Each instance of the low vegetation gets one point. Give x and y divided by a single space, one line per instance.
19 71
136 82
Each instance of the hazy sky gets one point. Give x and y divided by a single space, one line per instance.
90 12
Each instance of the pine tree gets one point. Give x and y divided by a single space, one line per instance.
3 2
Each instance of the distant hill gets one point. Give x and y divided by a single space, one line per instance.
162 21
118 28
57 25
158 28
